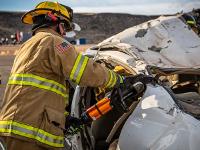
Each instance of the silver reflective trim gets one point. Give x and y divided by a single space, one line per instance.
78 68
11 127
46 138
39 82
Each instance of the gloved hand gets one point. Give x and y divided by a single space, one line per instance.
133 83
73 125
129 91
138 80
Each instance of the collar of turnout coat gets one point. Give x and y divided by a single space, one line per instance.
48 30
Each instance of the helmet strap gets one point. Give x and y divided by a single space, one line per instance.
61 29
49 20
51 17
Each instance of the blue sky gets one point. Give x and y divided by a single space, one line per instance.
119 6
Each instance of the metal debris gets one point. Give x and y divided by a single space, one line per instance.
155 49
141 33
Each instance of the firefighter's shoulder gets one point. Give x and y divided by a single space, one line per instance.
62 45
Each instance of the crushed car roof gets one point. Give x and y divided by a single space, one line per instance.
165 42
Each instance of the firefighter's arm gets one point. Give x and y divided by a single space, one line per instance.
81 69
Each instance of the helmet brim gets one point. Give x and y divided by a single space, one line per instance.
27 18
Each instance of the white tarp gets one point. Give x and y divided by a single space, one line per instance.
165 42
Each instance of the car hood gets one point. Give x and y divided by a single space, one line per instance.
166 42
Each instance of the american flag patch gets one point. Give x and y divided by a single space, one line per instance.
63 47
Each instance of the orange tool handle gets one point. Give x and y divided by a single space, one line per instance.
99 109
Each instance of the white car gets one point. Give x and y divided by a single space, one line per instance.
167 116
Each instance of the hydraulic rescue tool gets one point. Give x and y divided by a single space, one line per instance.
119 98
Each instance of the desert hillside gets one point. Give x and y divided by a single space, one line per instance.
95 27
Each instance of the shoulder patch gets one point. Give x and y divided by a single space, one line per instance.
63 47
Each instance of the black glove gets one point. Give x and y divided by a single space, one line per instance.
135 82
73 125
145 79
125 95
130 90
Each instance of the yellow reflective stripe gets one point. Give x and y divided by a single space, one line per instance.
82 70
37 85
16 132
114 80
31 132
75 66
39 78
29 128
43 140
110 79
191 22
33 80
66 113
78 68
121 79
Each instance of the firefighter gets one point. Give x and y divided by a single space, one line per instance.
192 21
32 117
197 17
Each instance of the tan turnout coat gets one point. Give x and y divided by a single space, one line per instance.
36 95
